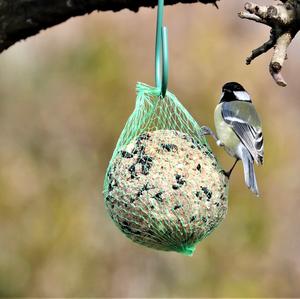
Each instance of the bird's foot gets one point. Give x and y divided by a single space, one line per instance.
228 173
207 131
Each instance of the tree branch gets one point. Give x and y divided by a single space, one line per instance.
284 20
20 19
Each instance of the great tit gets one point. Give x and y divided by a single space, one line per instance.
239 130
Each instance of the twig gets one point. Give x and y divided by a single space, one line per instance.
280 52
249 16
260 50
284 20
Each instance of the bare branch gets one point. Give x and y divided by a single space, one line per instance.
279 56
20 19
260 11
284 20
252 17
260 50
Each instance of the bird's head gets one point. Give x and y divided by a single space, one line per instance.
233 91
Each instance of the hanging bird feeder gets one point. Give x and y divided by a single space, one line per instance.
164 188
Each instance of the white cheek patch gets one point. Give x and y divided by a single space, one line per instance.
242 96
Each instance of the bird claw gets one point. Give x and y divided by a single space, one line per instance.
205 131
225 173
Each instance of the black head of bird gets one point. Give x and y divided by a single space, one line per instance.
233 91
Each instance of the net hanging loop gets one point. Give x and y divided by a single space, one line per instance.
161 52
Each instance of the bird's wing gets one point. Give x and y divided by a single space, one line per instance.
243 118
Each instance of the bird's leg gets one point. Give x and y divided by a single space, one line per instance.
228 173
207 131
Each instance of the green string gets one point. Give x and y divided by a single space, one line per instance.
161 52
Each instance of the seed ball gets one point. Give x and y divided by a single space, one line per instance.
166 191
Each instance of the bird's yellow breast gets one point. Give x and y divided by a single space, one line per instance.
225 133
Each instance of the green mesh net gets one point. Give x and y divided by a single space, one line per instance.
164 188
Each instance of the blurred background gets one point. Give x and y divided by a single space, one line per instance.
65 95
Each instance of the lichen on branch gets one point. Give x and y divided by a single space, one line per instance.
284 20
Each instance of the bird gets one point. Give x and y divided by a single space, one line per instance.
239 131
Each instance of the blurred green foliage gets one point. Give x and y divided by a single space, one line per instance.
64 98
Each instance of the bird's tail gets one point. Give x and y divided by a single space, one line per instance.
249 173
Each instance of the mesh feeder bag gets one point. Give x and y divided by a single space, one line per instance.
164 188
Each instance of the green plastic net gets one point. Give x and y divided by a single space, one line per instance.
163 187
